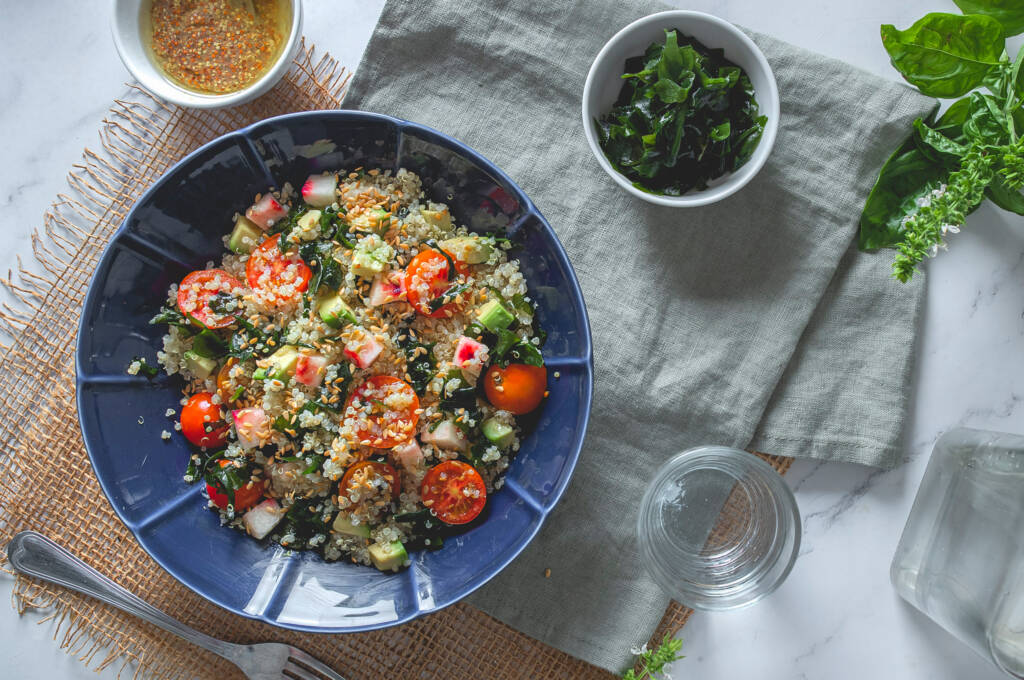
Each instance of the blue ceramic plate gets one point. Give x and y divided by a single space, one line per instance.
176 227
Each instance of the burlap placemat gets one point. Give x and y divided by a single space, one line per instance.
47 484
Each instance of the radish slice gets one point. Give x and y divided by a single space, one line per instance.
470 356
363 349
318 191
252 426
309 370
389 288
446 436
409 455
266 211
262 519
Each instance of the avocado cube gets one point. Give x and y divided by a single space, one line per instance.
343 525
245 236
498 433
468 249
441 219
308 226
388 557
334 312
494 316
282 363
201 367
370 257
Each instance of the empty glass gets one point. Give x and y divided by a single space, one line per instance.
718 528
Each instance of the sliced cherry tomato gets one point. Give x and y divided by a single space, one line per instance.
245 497
195 291
387 414
201 422
284 275
454 491
519 388
426 279
363 473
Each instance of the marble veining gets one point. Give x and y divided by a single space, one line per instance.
836 617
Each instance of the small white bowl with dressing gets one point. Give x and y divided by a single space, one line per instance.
132 27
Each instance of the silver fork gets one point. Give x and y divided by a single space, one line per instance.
33 554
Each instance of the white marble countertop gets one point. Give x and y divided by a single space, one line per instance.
837 616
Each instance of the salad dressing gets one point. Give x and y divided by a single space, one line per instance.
217 46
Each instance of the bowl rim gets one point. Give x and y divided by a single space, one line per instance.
586 352
761 154
180 96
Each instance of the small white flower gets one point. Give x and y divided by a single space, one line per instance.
637 651
950 228
934 250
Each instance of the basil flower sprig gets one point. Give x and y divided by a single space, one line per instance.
950 165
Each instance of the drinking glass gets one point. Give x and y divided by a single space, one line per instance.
718 528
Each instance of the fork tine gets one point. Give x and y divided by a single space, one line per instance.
297 672
306 659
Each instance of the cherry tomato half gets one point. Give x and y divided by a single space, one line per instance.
518 388
270 270
195 291
387 415
245 497
201 422
454 491
365 471
426 279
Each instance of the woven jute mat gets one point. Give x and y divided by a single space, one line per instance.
47 483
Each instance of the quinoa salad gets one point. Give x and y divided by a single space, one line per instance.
353 368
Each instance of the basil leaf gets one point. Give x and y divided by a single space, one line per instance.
938 142
945 55
987 122
906 172
1005 197
1009 13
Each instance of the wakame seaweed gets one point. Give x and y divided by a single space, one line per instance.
685 116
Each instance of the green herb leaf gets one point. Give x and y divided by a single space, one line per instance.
145 369
946 55
1009 13
675 101
525 352
420 365
170 315
447 297
650 664
208 344
1004 196
452 271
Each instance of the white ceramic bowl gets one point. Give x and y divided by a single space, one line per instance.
604 83
130 20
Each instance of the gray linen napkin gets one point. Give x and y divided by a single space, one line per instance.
752 322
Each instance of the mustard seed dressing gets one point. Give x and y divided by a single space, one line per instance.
217 46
